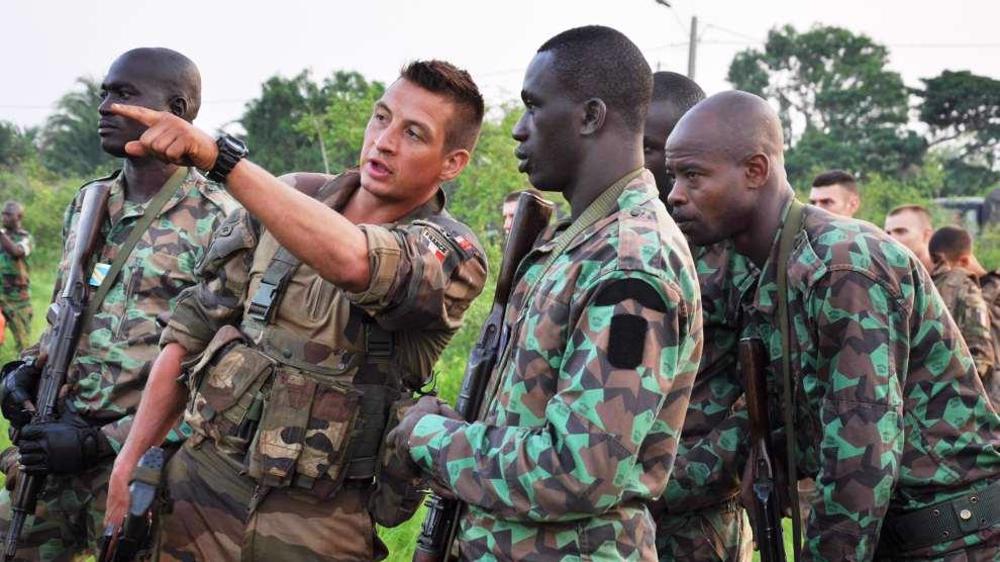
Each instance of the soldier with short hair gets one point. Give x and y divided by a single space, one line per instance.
836 191
911 226
699 517
956 275
886 410
320 309
580 425
16 245
115 351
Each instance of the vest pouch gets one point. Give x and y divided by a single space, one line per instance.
227 386
303 431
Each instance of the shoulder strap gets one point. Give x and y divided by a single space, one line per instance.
791 229
148 216
281 269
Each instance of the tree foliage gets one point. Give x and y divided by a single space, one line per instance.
16 144
962 111
297 124
841 107
69 143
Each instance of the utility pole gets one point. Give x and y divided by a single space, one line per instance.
693 46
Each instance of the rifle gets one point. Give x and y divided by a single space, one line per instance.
766 512
123 544
441 522
67 318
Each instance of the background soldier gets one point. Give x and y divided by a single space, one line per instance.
890 417
288 411
836 191
581 427
15 294
911 226
956 275
700 517
114 353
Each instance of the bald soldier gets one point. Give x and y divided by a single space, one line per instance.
911 226
699 517
113 356
889 415
15 286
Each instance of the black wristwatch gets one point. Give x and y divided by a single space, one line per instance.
231 151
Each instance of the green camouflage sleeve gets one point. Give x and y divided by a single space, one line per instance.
708 468
862 341
117 432
607 400
218 297
975 328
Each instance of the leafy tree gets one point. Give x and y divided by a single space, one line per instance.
15 144
348 99
840 106
69 142
289 125
962 111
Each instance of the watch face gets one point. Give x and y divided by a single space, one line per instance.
234 144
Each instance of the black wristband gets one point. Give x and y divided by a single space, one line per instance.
231 151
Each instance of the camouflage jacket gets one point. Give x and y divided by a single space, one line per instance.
311 357
587 404
890 413
991 294
715 436
964 300
116 351
14 282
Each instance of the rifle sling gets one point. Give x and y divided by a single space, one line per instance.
152 210
598 209
791 228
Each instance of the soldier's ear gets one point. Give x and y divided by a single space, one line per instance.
454 162
595 111
178 106
757 168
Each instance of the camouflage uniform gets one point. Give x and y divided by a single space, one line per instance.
991 294
588 400
890 414
700 517
964 300
113 357
294 488
15 292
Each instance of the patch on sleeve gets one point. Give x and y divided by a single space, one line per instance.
438 247
634 289
627 340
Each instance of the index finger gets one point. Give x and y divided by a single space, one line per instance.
144 115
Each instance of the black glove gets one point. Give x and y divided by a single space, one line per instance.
67 446
19 385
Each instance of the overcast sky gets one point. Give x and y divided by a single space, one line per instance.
45 45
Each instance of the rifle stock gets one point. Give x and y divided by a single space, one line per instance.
68 313
441 522
766 512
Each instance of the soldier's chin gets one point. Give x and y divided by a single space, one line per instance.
113 147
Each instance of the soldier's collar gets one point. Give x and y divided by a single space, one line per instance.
765 294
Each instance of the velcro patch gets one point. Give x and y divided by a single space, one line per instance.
437 247
634 289
627 341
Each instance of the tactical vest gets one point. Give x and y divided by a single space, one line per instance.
297 414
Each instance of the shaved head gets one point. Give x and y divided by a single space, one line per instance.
738 124
175 74
726 156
